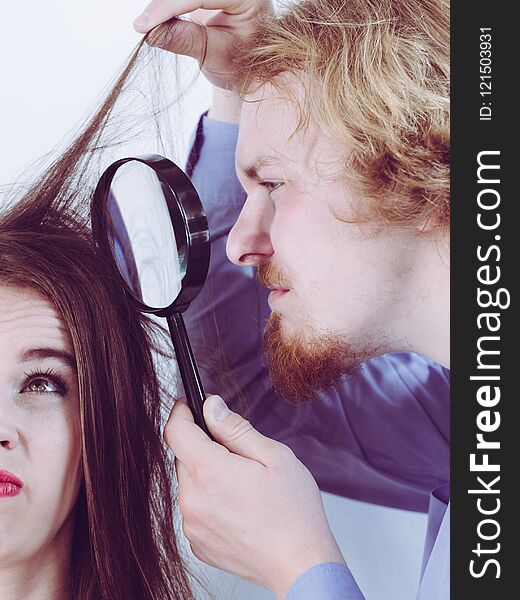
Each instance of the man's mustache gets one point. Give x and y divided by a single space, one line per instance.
271 277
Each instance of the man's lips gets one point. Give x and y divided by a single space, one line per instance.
276 294
10 485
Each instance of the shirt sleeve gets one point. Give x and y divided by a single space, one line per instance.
380 437
327 581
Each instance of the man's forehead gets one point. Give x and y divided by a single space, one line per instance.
265 132
269 135
270 132
302 153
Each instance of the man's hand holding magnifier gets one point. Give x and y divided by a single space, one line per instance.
249 505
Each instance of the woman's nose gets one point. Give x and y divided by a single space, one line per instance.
249 242
9 436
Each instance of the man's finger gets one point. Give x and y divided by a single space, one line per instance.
182 473
187 440
182 37
159 11
235 433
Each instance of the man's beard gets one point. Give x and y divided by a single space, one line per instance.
302 366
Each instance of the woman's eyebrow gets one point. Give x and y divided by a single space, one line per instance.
41 353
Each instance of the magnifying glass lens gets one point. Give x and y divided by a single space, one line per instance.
150 257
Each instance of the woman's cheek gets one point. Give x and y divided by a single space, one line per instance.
57 443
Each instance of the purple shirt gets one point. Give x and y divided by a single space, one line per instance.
382 437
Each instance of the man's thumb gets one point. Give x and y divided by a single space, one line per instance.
180 36
234 432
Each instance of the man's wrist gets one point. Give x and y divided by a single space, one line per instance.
330 553
225 106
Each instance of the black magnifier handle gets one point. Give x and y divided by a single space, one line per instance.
188 368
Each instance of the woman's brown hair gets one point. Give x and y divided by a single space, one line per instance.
124 544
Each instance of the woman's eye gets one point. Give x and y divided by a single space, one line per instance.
44 385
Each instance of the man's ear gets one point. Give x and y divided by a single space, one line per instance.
429 225
437 233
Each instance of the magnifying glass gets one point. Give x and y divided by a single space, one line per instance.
147 218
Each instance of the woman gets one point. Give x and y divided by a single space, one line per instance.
85 485
86 506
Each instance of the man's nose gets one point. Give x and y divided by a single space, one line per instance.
249 241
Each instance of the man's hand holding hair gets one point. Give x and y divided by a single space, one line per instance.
210 33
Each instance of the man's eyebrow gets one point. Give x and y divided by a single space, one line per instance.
251 171
42 353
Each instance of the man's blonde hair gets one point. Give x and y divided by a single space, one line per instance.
377 80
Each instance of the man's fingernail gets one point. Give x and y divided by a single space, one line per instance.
219 409
141 22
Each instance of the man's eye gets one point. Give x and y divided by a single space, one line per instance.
271 186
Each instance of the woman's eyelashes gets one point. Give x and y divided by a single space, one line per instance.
44 382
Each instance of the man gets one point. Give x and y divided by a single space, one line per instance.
342 153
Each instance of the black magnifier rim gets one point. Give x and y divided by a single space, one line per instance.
192 228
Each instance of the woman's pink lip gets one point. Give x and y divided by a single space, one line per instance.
10 485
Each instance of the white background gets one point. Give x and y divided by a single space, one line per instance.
56 57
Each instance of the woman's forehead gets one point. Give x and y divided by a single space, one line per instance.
27 319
